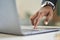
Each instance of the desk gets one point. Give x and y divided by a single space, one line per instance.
46 36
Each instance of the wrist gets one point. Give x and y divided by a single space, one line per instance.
48 6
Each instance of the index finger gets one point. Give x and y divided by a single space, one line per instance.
37 20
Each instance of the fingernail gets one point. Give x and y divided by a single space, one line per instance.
46 23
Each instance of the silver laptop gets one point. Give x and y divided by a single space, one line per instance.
10 23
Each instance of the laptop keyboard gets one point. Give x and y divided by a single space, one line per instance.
37 31
43 29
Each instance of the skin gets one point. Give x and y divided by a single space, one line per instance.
45 11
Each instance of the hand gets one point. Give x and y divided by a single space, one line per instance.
45 11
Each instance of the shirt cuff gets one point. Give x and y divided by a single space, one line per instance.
49 3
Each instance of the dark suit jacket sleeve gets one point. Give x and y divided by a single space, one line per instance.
51 2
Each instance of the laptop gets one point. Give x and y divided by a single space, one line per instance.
10 23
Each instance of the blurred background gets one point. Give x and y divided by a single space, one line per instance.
27 8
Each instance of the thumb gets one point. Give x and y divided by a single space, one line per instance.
48 17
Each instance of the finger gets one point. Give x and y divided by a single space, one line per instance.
49 17
37 20
33 18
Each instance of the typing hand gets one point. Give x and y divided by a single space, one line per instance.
45 11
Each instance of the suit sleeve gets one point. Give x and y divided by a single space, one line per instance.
49 2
